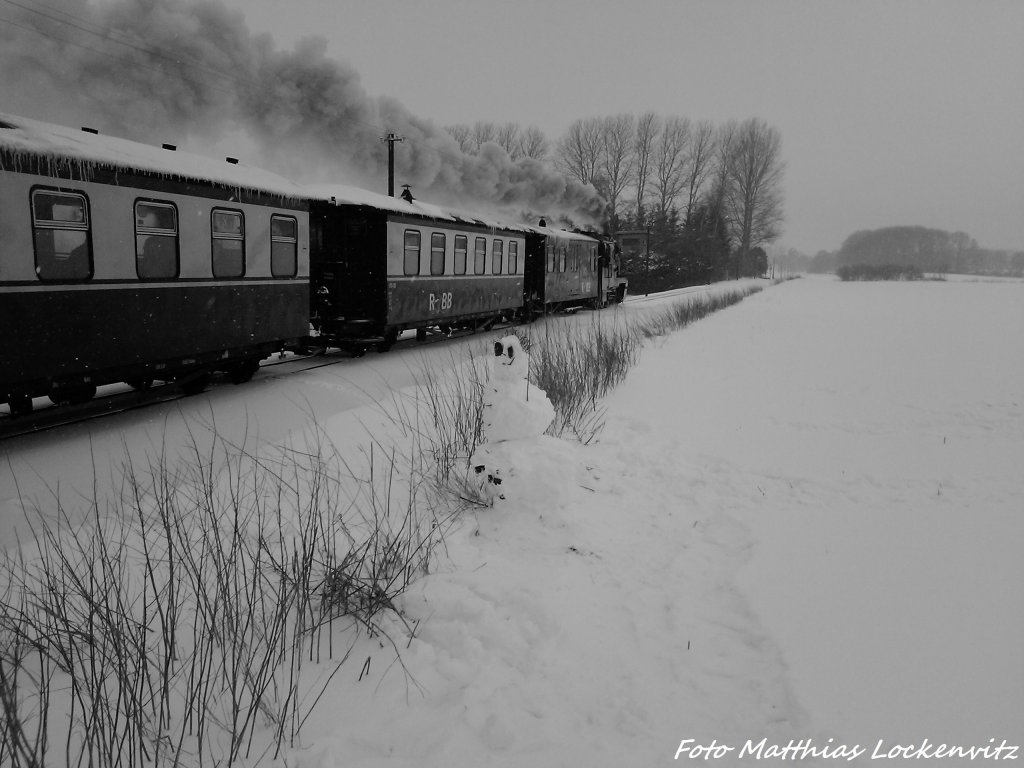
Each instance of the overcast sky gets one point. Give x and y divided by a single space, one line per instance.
891 112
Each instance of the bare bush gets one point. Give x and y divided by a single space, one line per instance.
195 618
577 365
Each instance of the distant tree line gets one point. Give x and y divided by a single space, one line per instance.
707 198
849 272
922 248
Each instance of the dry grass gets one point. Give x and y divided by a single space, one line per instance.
199 616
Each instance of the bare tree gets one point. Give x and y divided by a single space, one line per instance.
483 132
579 151
669 162
463 135
753 173
699 162
506 136
617 165
714 208
648 126
533 143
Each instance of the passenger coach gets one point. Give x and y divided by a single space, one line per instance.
570 270
125 262
381 265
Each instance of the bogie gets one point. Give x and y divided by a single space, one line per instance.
73 395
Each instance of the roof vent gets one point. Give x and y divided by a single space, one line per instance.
232 160
93 131
170 147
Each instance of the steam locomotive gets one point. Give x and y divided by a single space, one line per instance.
124 262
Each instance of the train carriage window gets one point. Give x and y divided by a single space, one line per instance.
156 240
228 243
479 255
497 252
412 252
284 246
437 247
513 257
563 253
60 233
461 249
551 257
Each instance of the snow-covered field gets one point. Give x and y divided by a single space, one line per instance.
803 521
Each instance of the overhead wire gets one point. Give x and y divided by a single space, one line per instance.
114 37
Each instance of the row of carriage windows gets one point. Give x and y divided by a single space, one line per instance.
63 248
571 258
559 258
439 246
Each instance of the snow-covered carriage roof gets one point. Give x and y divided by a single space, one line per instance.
341 194
564 233
24 138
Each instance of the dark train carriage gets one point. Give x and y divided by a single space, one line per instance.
562 270
381 265
125 262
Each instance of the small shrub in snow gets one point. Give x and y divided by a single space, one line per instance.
577 365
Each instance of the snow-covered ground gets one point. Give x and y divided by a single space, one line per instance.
803 521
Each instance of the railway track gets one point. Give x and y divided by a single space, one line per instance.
119 398
115 399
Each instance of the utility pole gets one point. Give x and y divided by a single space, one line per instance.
391 138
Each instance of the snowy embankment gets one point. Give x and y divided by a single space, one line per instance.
802 521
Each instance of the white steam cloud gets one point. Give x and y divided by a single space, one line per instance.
189 72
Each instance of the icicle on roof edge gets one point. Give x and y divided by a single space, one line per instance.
88 151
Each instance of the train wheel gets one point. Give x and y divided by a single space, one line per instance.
196 383
73 395
140 385
243 371
421 334
390 337
20 405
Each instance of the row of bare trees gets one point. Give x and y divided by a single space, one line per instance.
518 141
716 189
652 165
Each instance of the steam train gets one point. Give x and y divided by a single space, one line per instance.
123 262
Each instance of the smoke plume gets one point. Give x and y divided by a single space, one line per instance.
189 72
